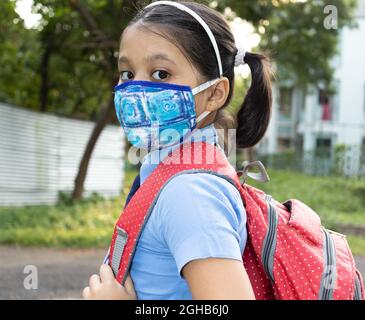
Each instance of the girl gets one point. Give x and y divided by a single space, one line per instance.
191 246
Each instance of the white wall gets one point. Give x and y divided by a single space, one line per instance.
351 75
40 154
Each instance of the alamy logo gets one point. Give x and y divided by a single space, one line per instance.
31 280
331 20
137 155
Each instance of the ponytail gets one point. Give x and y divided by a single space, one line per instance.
254 115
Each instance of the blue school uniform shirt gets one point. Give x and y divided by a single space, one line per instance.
196 216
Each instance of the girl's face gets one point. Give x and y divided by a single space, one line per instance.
144 55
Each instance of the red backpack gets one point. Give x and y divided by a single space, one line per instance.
288 254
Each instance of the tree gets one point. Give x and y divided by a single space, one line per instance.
293 33
74 52
19 58
74 80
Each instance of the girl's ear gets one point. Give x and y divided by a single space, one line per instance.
219 95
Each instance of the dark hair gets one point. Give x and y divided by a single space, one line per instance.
186 33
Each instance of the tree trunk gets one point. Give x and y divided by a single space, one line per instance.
43 94
128 9
106 117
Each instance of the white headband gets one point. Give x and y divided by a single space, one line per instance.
241 51
201 21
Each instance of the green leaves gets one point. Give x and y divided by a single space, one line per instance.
81 62
295 35
18 59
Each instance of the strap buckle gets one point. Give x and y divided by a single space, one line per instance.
261 176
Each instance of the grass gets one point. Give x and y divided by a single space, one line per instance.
337 200
87 223
90 222
357 244
82 225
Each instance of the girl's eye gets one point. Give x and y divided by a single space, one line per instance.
126 75
160 75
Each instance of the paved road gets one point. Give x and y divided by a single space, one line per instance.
62 274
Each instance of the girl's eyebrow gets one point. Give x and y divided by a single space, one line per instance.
123 59
160 56
157 56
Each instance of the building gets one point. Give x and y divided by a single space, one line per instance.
316 124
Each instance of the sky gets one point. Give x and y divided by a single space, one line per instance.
24 10
243 31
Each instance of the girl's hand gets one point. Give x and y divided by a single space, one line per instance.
106 287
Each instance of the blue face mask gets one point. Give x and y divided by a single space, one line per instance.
155 114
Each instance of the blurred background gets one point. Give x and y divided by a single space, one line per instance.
64 172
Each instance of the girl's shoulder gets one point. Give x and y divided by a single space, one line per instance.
200 215
199 195
200 183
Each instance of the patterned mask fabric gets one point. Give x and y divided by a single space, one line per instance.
155 114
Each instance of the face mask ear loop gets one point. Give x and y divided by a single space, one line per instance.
201 88
202 116
204 86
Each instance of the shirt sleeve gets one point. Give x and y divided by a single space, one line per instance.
201 216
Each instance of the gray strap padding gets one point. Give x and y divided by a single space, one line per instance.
119 245
269 244
328 281
357 293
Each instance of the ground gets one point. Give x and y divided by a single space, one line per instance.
62 273
89 223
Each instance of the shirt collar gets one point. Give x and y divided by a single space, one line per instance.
153 158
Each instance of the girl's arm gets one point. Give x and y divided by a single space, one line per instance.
218 279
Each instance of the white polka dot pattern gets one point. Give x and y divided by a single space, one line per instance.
298 259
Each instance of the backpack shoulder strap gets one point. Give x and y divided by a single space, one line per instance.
135 186
193 157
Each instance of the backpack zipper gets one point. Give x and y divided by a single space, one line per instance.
357 293
329 268
269 245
